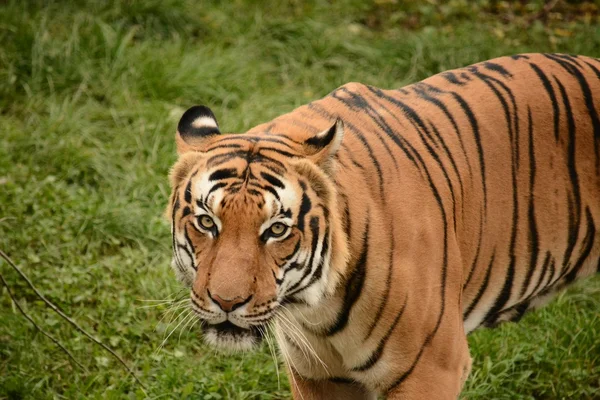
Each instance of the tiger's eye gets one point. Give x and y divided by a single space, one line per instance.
206 222
277 229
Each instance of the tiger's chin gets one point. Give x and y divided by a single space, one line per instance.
229 338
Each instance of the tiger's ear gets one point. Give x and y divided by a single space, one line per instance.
195 126
321 147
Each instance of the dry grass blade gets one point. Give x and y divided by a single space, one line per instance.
49 336
71 321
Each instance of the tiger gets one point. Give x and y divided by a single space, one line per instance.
374 229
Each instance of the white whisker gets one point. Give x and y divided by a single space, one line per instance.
265 333
289 361
190 318
171 311
174 329
299 334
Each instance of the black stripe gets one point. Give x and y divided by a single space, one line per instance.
216 187
513 133
176 206
497 68
272 180
567 57
481 290
410 369
354 286
349 155
505 293
587 96
277 139
376 355
224 173
189 242
452 78
533 242
440 104
201 204
588 243
388 284
188 192
477 252
551 94
253 192
308 268
247 156
280 152
448 180
575 197
596 70
359 103
347 220
324 249
545 265
396 137
476 135
293 253
305 207
268 188
421 129
224 157
224 146
358 134
444 220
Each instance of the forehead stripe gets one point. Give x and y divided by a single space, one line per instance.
305 207
188 192
223 174
272 180
216 187
224 146
270 190
280 152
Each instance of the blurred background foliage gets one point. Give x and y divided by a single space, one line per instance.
90 93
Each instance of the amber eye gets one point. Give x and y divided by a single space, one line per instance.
277 229
206 222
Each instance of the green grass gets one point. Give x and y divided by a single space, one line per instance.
90 93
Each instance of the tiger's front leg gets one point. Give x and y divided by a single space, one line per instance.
432 382
440 371
327 389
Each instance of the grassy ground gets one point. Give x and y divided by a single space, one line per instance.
90 92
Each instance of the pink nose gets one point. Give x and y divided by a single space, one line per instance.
228 305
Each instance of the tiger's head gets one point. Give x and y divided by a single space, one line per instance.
255 224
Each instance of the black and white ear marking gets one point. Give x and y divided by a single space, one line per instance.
326 143
196 123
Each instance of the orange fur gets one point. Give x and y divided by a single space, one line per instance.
450 204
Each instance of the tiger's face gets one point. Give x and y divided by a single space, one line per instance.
253 223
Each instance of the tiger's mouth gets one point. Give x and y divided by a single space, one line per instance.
229 337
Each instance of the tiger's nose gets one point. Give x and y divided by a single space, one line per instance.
228 305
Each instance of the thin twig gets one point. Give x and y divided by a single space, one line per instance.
49 336
72 322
